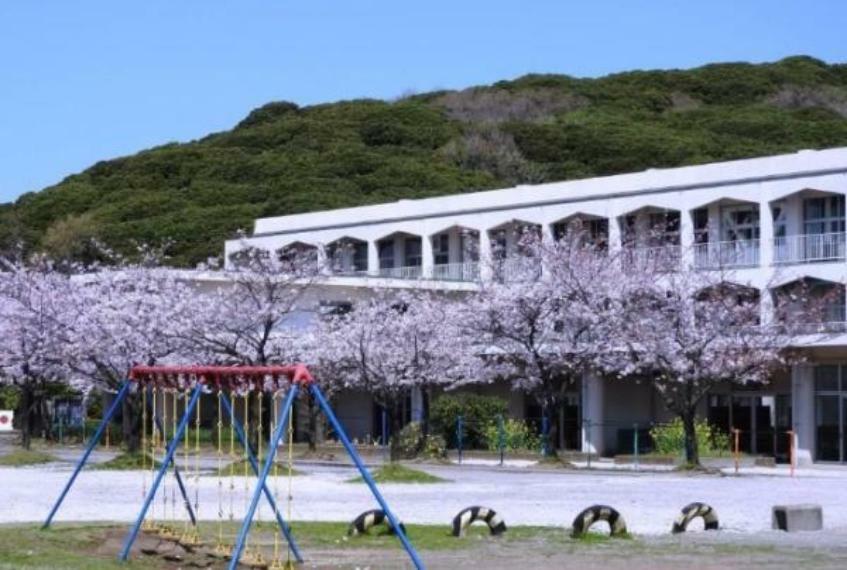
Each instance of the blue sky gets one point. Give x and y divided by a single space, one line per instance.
86 80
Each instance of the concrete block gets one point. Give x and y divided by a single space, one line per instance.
793 518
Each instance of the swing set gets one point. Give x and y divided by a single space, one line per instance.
162 388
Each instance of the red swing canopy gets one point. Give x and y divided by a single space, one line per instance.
222 377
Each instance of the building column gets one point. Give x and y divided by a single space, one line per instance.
766 236
417 404
803 412
485 260
373 257
427 258
686 239
615 239
323 267
592 414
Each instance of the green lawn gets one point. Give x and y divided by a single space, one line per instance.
23 457
397 473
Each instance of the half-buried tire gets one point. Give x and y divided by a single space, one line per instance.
691 512
368 519
595 513
468 516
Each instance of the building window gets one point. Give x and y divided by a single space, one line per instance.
739 223
442 249
412 252
700 218
823 215
386 254
360 256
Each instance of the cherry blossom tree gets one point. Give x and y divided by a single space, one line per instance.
255 311
389 344
691 331
33 306
122 316
546 324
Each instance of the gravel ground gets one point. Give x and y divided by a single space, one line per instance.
648 501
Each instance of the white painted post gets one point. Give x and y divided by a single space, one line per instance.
803 412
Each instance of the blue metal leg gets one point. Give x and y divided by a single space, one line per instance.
179 481
124 389
263 476
342 435
172 446
286 530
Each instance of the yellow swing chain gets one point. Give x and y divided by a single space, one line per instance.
247 553
174 397
233 402
290 497
147 523
154 449
275 401
195 535
186 527
220 548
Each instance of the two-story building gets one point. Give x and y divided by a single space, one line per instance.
775 222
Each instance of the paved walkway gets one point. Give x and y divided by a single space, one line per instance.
648 501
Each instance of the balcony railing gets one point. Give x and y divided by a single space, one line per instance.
808 248
661 258
714 255
408 272
467 271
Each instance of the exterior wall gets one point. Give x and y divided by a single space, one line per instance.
764 183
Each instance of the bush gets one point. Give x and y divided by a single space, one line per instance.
517 435
669 438
477 412
412 443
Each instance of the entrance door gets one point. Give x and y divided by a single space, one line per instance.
829 436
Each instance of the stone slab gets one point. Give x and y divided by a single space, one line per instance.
795 518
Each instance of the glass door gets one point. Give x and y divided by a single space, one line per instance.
829 427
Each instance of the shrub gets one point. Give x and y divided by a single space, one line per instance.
412 443
517 435
669 438
476 411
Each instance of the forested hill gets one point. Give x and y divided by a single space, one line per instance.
284 159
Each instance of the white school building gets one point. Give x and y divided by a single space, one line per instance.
775 221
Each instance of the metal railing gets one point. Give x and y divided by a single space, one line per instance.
466 271
805 248
739 253
408 272
659 258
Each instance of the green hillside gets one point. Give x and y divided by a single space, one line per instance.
284 159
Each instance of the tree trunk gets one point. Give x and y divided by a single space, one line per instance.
395 420
692 449
25 423
131 422
312 434
552 413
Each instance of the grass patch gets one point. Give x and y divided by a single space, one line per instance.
601 537
23 457
396 473
126 462
238 468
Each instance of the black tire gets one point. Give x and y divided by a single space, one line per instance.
467 517
691 512
595 513
368 519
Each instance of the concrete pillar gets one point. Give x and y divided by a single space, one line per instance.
615 240
766 306
427 259
765 234
803 411
323 266
373 257
417 405
592 414
485 260
686 239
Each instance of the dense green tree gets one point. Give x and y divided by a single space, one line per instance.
285 159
